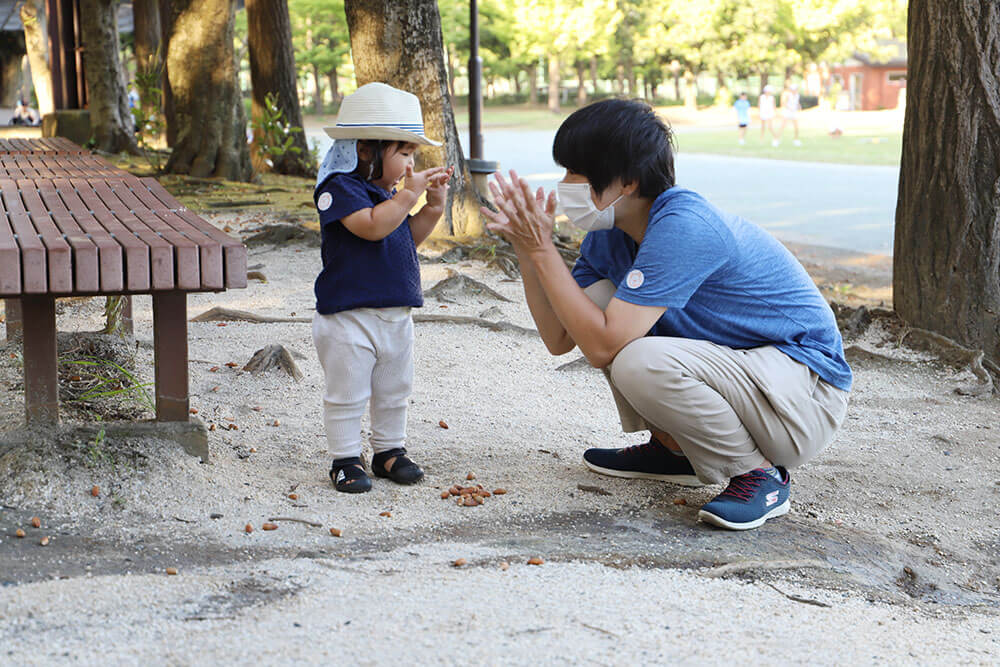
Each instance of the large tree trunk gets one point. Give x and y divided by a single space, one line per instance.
533 84
272 70
946 266
110 118
148 55
166 12
36 36
554 77
581 90
208 114
331 78
399 43
318 95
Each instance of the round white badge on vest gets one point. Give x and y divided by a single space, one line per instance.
635 279
325 201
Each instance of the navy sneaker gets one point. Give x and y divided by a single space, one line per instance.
750 499
650 460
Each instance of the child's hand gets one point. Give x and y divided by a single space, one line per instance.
418 181
437 188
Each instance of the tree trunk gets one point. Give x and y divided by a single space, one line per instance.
208 112
331 78
593 73
272 70
400 43
36 36
166 11
148 55
947 248
581 91
633 85
620 79
533 84
318 92
554 76
110 118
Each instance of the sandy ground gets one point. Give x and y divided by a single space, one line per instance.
891 552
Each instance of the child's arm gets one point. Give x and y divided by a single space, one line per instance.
423 223
377 222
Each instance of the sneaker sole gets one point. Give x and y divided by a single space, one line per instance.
716 520
682 480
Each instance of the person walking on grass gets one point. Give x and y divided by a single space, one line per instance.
711 334
742 106
370 280
790 106
766 104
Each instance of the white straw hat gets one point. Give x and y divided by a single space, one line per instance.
379 111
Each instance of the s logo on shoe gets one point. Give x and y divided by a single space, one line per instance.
771 498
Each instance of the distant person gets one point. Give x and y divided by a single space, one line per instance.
766 105
790 106
23 114
363 330
711 334
742 106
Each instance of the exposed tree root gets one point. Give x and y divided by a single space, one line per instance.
460 285
744 566
475 321
270 357
218 314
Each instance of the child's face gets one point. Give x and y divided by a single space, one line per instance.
394 163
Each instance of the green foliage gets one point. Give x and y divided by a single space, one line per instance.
274 137
148 114
111 380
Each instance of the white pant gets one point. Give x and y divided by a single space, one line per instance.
365 353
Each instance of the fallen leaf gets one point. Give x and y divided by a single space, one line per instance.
193 411
499 492
221 324
385 514
535 560
680 501
442 424
213 369
460 562
248 528
231 364
171 570
336 532
445 494
270 526
293 496
95 491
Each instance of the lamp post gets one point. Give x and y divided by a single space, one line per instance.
479 167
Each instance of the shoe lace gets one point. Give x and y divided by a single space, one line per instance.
744 486
640 449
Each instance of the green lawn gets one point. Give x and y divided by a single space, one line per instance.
854 147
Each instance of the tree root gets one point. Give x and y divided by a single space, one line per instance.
218 314
743 566
271 356
314 524
475 321
954 354
458 284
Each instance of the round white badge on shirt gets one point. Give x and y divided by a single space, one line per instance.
325 201
635 279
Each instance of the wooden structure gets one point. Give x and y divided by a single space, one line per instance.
72 224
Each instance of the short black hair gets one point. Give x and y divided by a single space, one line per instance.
617 139
372 169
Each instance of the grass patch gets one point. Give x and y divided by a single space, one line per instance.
854 147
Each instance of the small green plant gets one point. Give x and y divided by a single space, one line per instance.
274 137
148 113
112 380
96 453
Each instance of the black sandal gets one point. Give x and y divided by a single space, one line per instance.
349 476
403 471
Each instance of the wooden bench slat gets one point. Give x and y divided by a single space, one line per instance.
34 264
161 252
234 252
138 254
58 251
86 264
10 259
112 271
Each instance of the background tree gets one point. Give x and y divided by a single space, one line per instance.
207 115
322 44
148 55
946 264
272 71
110 118
399 42
36 36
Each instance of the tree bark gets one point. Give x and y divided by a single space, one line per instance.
331 78
533 84
593 73
110 118
399 43
36 36
318 93
208 114
946 266
148 54
272 70
581 91
554 76
166 12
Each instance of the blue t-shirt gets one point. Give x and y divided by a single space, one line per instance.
358 273
722 279
742 111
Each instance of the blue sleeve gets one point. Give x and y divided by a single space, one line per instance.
346 195
678 253
583 272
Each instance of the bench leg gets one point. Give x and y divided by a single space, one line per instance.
41 366
171 355
12 314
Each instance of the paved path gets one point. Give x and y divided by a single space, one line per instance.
841 206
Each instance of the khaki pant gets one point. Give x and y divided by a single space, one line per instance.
729 410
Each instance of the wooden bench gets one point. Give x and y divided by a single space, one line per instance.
73 225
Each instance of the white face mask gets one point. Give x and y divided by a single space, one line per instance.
578 205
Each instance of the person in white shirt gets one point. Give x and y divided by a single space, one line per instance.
790 106
766 104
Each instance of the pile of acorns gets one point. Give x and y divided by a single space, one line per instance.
470 496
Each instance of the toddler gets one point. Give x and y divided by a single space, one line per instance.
371 278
